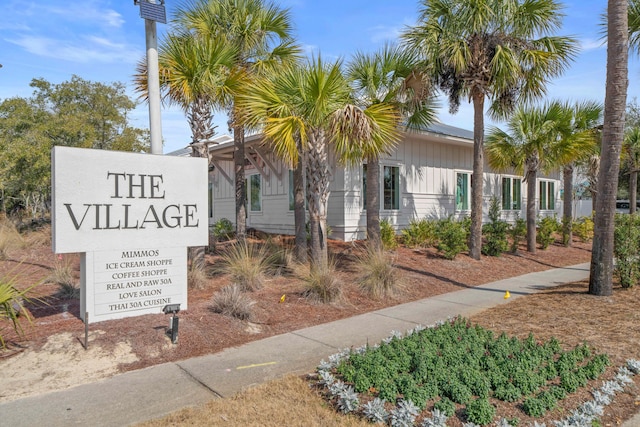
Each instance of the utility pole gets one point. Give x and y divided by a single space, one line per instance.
153 11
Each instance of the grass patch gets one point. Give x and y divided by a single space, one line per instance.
62 275
320 284
10 239
231 301
247 264
377 275
197 275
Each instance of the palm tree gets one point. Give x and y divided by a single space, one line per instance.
527 148
601 273
579 141
498 50
194 74
389 76
261 33
631 155
310 108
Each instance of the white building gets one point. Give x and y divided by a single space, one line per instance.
429 174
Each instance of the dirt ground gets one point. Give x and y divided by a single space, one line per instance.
51 355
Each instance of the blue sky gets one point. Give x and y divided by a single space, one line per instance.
103 40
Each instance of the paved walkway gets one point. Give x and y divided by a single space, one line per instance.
153 392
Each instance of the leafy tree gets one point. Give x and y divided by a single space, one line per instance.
390 76
260 33
311 106
601 274
76 113
528 147
498 50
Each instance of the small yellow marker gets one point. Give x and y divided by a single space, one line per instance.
282 298
256 365
507 295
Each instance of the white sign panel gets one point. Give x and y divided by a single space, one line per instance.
110 200
132 282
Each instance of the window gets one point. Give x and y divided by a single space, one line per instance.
254 193
292 197
210 192
364 187
547 195
462 191
511 194
391 187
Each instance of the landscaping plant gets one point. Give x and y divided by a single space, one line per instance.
247 264
452 237
626 249
495 231
517 232
419 233
388 235
321 283
12 302
547 226
377 275
457 362
231 301
583 228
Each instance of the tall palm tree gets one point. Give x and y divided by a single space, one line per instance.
601 272
390 76
579 139
310 108
194 74
527 148
261 33
631 155
500 50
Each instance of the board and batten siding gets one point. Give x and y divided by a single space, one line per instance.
428 164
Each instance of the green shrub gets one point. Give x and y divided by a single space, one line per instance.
12 301
480 411
534 407
452 237
547 226
376 273
388 235
517 232
445 406
567 229
583 229
222 229
419 233
507 392
495 232
626 249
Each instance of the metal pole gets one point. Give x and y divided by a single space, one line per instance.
86 330
153 84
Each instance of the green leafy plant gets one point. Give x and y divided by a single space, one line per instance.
446 406
567 229
12 305
388 235
626 249
452 237
583 229
480 411
376 273
495 232
534 407
547 226
419 233
222 229
517 232
231 301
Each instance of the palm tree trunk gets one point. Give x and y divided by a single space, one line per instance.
567 204
241 187
633 190
299 211
601 277
475 239
531 177
318 174
373 203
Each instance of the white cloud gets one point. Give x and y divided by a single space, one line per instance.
383 33
591 44
88 13
86 50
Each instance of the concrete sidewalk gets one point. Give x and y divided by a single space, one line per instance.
153 392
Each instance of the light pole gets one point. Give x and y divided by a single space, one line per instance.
152 11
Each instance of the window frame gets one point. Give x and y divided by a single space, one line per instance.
468 189
395 190
513 206
546 195
249 186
